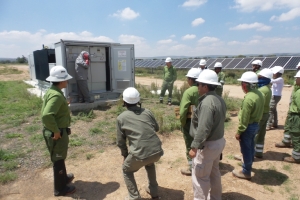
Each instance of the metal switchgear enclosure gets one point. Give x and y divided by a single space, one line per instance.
111 67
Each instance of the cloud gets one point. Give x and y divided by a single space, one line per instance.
265 5
208 39
257 26
168 41
131 39
189 37
198 21
172 36
126 14
193 3
17 43
292 14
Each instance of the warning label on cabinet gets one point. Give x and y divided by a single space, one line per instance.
121 65
121 54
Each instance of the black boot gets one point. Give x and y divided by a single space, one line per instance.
60 181
69 177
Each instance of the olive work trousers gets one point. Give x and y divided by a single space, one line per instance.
294 129
166 86
260 136
188 139
131 165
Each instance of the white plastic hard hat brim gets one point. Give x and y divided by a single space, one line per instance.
206 74
202 62
266 73
298 65
59 79
257 62
218 65
131 95
245 77
277 69
297 75
193 73
168 60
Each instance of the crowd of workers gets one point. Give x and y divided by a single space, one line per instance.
202 117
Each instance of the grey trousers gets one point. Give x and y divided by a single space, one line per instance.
273 118
83 91
206 176
132 165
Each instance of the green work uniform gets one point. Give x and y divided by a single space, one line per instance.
56 118
169 77
251 111
138 126
190 97
260 137
294 123
221 79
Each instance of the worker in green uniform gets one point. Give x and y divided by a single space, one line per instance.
138 126
56 120
221 78
207 129
264 79
170 76
189 100
256 65
286 141
294 123
249 116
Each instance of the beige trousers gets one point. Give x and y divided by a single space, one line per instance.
206 176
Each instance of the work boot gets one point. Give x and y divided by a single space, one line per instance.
69 178
169 103
258 156
67 191
148 192
282 145
290 159
240 174
161 101
239 157
187 171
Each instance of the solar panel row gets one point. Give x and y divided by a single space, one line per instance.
288 62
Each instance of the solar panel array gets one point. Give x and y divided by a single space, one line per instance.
287 62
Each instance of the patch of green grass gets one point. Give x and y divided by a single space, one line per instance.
287 167
89 156
32 128
10 165
16 104
232 104
83 116
76 142
36 138
96 131
13 135
5 155
7 177
9 70
294 197
230 157
268 188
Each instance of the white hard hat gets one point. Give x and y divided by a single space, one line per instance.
277 69
209 77
168 59
58 74
131 95
202 62
218 64
297 75
298 65
266 73
193 73
257 62
249 77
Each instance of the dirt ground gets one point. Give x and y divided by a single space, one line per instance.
101 177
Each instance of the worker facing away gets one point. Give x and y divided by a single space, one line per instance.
221 78
188 102
56 120
138 126
169 77
207 129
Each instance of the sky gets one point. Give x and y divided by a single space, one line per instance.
193 28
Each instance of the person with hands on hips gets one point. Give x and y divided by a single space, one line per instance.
56 120
207 129
139 127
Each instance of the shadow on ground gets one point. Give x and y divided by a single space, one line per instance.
170 194
225 168
268 177
272 155
94 190
235 196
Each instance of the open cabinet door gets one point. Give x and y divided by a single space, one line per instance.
122 66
